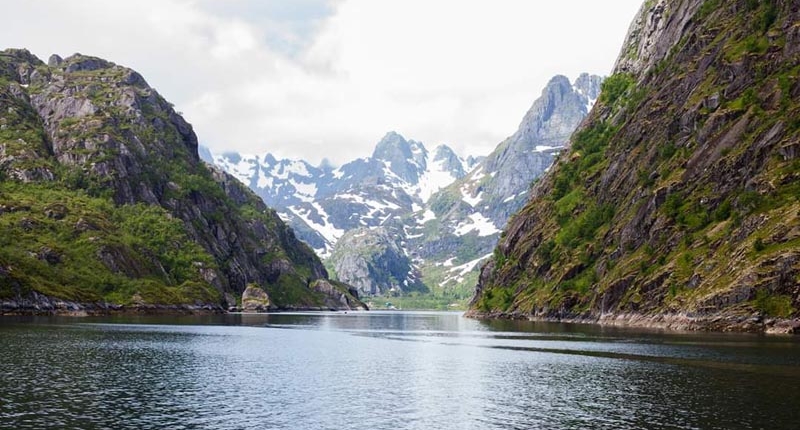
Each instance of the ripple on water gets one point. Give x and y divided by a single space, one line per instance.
387 371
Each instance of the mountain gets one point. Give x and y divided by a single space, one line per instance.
436 215
373 261
104 202
677 203
322 203
460 224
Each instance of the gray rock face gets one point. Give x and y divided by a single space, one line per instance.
451 162
403 157
470 212
685 101
338 298
543 132
371 260
55 60
650 38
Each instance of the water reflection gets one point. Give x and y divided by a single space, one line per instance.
386 370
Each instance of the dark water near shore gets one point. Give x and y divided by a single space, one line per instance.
392 370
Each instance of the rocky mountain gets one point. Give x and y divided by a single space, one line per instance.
435 213
374 261
460 224
677 204
322 203
105 203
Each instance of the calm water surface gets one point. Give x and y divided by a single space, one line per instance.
387 370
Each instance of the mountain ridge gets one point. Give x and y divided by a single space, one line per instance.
106 204
444 211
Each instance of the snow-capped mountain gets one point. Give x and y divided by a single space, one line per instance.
321 203
442 211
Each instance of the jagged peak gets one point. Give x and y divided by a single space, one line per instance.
390 145
326 165
269 159
18 65
417 148
558 82
23 55
557 90
85 63
443 152
55 60
588 85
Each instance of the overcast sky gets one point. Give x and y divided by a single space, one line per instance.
328 78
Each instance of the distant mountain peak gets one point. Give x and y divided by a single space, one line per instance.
404 186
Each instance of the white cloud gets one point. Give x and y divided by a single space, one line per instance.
330 78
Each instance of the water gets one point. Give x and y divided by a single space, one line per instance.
391 370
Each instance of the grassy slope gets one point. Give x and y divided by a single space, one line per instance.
156 259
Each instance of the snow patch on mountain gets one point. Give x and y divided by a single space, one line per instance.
456 274
428 215
468 198
476 222
434 179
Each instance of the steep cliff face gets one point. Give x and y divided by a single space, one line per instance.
543 132
460 225
102 176
677 204
372 260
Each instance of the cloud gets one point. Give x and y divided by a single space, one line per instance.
326 78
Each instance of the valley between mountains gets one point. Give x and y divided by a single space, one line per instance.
666 195
412 224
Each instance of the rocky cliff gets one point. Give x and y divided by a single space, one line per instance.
460 224
373 261
105 202
677 203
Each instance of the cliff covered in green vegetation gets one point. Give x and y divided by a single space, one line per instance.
677 204
104 203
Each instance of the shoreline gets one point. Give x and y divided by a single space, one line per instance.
165 310
41 305
672 322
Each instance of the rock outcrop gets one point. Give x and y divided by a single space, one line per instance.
678 199
100 170
338 295
254 299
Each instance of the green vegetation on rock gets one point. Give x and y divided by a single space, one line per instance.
681 193
103 199
60 243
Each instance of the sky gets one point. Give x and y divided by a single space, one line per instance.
314 79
